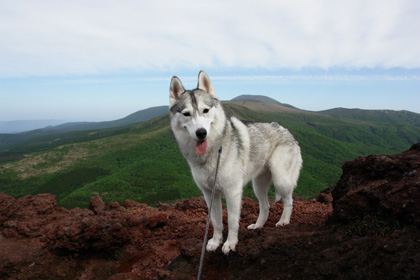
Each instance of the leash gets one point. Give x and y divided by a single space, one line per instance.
203 249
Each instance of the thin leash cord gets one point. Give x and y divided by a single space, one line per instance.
203 248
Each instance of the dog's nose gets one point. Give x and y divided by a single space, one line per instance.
201 133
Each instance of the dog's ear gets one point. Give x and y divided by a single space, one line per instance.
204 83
175 90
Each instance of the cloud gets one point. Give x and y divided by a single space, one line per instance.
59 38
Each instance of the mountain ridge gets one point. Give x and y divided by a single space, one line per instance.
258 103
68 132
6 127
260 98
136 117
246 107
18 126
401 116
9 141
142 161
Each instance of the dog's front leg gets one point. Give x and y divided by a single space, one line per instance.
216 220
234 202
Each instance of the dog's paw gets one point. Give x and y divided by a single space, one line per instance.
229 246
212 245
254 226
282 223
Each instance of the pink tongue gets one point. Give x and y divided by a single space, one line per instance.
201 147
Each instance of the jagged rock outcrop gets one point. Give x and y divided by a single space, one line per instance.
369 231
380 185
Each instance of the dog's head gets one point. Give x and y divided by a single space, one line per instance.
194 110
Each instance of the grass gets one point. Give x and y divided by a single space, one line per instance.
371 225
143 163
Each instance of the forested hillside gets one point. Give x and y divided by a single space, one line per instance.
142 162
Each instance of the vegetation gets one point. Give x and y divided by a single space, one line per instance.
371 225
142 162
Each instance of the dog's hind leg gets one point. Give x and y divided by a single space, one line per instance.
287 210
261 184
285 189
285 165
216 220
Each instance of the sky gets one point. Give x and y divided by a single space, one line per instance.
102 60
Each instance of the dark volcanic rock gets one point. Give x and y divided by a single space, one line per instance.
39 240
383 185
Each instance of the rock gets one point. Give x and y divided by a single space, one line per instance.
325 196
380 185
6 207
192 204
131 204
97 205
86 232
28 216
133 241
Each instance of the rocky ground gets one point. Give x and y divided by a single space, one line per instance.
365 227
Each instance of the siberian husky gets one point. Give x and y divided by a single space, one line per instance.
261 152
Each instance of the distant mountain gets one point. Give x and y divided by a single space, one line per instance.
389 116
26 125
57 126
139 116
76 131
259 98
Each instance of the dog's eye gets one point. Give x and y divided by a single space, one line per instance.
205 111
186 114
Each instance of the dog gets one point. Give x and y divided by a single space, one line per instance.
261 152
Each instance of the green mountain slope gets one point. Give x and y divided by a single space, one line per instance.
382 116
139 116
70 132
142 162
